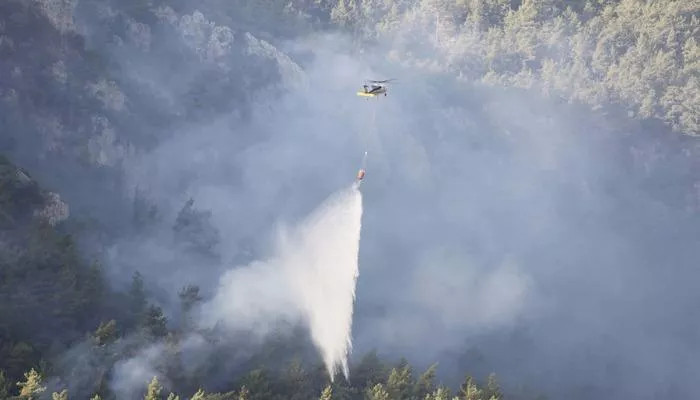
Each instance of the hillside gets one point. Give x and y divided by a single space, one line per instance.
531 202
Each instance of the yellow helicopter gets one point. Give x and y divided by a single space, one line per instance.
375 88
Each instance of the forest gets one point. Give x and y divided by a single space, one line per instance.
90 89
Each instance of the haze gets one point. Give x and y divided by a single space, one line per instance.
500 231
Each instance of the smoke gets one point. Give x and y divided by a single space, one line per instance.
312 276
129 374
490 212
309 278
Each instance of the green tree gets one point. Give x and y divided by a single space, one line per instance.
400 384
194 229
153 390
174 367
173 396
258 385
62 395
199 395
369 372
31 387
378 392
154 322
426 382
342 390
470 390
106 333
327 393
493 389
344 13
440 393
244 393
4 386
189 299
137 298
16 358
145 212
295 382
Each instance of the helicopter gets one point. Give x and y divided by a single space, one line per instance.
373 88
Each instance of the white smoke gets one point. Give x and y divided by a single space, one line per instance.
311 277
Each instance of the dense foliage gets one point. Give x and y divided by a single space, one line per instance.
642 56
40 265
43 281
373 381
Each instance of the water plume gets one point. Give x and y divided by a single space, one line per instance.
330 243
312 276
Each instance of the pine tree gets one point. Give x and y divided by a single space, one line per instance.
327 393
369 371
145 212
258 384
244 394
342 390
62 395
295 382
154 322
343 13
31 387
200 395
440 393
493 390
426 382
378 392
189 298
137 298
4 386
469 389
194 229
401 383
173 396
154 389
106 333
